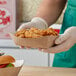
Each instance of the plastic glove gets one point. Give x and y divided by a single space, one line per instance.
35 22
64 42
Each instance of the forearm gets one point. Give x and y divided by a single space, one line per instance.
50 10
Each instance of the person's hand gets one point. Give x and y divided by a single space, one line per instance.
64 42
35 22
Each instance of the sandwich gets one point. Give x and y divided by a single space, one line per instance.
6 61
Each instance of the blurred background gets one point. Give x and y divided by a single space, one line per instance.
12 14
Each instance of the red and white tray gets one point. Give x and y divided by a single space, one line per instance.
57 27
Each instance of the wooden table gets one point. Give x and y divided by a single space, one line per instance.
46 71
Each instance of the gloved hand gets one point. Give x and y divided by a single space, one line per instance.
64 42
35 22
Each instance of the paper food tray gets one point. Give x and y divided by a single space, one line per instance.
12 71
41 42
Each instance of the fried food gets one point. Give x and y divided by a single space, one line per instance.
18 33
21 36
35 33
51 31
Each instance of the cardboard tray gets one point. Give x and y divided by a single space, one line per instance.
12 71
41 42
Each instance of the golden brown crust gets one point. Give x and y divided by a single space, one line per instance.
6 59
18 33
35 33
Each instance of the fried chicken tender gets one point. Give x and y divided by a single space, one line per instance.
18 33
51 31
35 33
38 31
21 36
43 32
31 34
28 34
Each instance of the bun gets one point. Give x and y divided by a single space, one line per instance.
6 59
